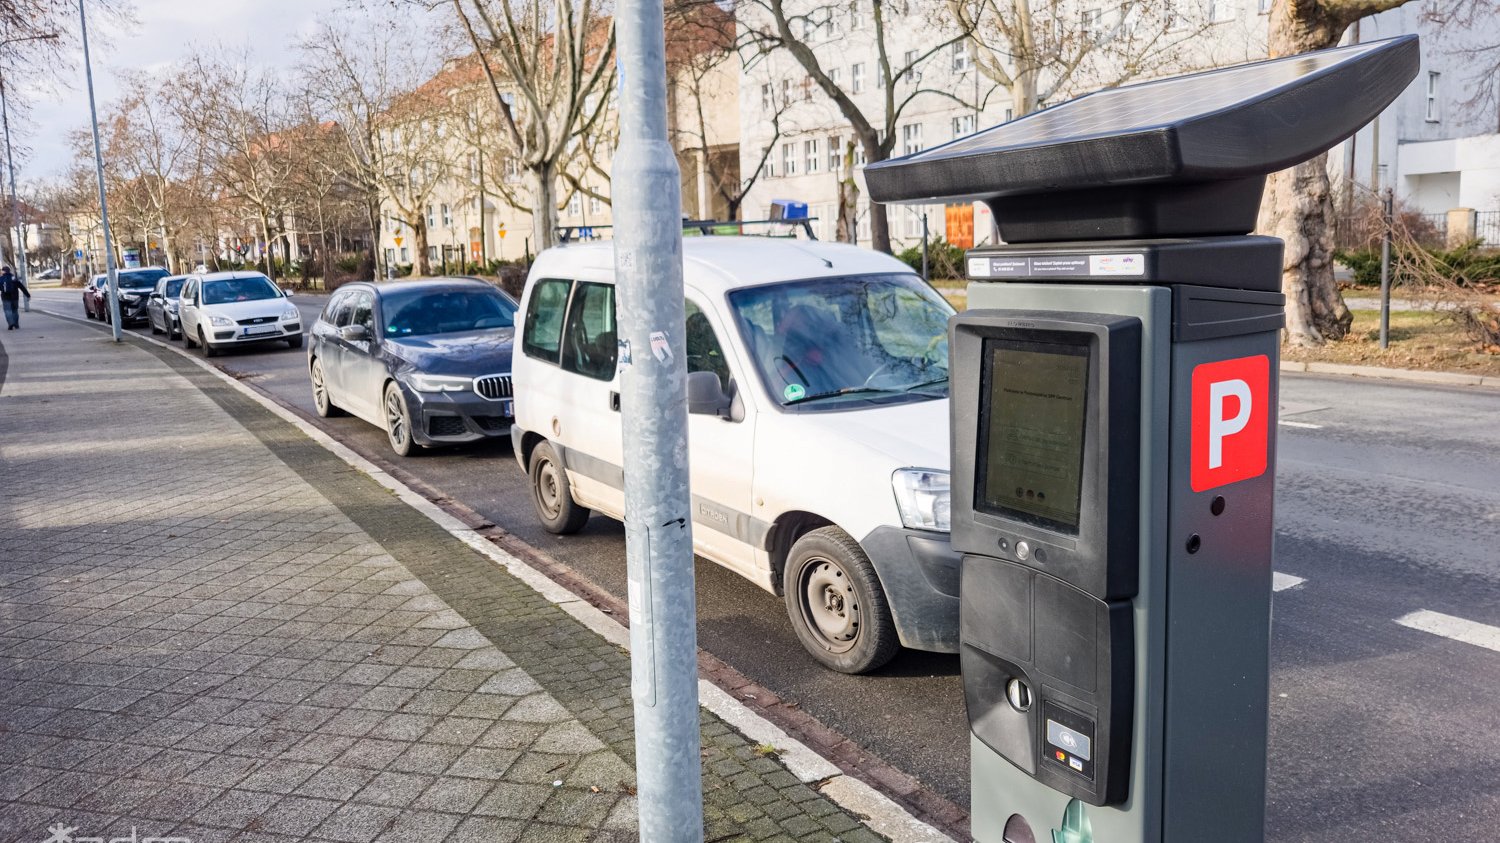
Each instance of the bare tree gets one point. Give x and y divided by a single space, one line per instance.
703 72
1042 50
239 119
1298 206
768 26
550 69
411 143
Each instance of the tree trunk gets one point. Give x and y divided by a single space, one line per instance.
419 242
1297 208
847 230
544 205
265 230
1298 205
880 228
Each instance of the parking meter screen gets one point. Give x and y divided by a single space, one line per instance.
1032 427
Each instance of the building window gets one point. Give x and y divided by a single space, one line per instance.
765 97
807 89
963 125
962 61
768 169
786 91
857 77
1264 6
812 155
1434 113
406 254
859 154
1092 23
432 254
911 138
1220 11
835 153
575 206
909 63
913 224
447 215
595 205
789 159
431 218
836 75
1010 114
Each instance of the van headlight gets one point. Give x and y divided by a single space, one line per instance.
439 383
220 321
924 498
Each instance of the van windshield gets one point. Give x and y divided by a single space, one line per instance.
836 341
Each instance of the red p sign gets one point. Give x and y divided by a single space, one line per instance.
1231 414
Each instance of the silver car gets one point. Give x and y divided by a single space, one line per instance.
162 304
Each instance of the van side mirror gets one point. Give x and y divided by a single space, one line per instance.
705 395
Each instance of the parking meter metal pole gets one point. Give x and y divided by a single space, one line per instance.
653 409
109 252
1387 207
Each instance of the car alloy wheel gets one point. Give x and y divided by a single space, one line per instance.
398 421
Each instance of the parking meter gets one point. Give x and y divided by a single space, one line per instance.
1114 387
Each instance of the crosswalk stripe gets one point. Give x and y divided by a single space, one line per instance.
1458 629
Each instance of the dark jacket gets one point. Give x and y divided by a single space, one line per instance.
12 287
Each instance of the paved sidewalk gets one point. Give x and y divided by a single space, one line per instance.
213 629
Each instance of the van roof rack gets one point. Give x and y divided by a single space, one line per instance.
706 228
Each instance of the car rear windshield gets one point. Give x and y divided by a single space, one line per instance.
239 289
418 312
141 278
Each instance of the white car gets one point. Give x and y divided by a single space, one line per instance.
223 309
818 429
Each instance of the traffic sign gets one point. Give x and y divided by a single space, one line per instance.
1231 401
398 240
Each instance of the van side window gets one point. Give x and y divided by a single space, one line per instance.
542 336
704 354
591 332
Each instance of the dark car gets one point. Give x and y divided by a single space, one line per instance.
161 307
428 361
135 286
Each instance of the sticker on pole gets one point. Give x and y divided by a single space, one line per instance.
1231 421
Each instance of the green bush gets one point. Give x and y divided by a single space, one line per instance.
944 260
349 263
1467 264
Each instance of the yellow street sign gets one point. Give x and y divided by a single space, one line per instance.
398 241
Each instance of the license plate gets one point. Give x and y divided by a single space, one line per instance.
261 331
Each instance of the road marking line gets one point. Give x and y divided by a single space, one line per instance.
1282 582
1458 629
1308 425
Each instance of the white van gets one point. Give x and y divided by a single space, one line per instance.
818 429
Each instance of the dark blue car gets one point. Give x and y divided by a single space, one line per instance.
428 361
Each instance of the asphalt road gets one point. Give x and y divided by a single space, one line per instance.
1388 505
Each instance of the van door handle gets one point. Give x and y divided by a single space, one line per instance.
614 400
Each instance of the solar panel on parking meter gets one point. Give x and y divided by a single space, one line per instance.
1113 405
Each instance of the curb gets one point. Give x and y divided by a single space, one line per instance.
1383 373
882 814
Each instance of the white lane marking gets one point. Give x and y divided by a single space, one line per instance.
1282 582
1458 629
1308 425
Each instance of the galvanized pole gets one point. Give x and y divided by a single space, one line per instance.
658 518
15 200
109 252
1387 208
925 275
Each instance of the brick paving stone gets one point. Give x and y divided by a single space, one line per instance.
285 651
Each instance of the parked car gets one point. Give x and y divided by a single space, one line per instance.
135 286
428 361
49 274
223 309
162 304
817 429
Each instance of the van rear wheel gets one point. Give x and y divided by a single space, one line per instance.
552 494
836 603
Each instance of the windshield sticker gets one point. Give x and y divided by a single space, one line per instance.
660 348
794 392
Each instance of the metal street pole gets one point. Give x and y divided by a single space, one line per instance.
109 253
653 405
15 201
1387 208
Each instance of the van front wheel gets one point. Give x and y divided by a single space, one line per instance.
836 604
552 495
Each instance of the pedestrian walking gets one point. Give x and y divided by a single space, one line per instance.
11 289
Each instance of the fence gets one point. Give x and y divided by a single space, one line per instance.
1487 228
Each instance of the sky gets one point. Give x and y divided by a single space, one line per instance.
165 32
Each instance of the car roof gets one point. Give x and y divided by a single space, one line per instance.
719 263
231 275
434 284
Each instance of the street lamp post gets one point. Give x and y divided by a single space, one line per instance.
10 165
109 253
